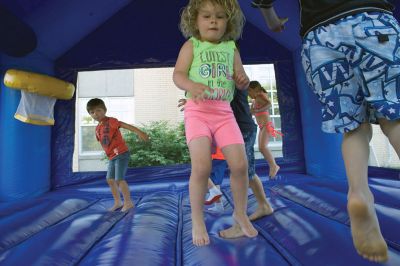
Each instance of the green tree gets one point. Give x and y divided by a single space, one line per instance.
167 145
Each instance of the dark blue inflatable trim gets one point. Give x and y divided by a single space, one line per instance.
17 38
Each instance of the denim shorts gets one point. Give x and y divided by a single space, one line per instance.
249 138
117 166
218 171
353 66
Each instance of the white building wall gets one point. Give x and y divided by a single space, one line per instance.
156 96
382 153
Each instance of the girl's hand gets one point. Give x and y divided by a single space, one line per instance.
181 103
241 80
198 91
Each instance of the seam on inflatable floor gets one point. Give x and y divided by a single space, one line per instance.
178 247
83 255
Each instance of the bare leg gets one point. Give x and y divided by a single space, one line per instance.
200 150
367 237
115 193
128 203
272 20
263 139
210 183
392 131
237 161
263 208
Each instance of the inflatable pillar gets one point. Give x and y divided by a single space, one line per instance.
322 151
25 148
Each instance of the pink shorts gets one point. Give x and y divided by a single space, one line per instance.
212 119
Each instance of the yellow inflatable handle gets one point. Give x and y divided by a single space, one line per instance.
39 84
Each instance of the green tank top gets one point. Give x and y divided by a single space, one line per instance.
212 66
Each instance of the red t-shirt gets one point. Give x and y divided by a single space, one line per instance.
110 138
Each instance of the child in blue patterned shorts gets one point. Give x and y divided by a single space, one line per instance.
352 62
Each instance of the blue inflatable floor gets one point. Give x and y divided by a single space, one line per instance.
71 225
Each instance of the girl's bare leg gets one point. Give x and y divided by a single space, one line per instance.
200 156
236 158
263 139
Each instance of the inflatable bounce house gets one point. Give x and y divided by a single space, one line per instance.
50 215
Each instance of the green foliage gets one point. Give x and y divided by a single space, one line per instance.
88 120
167 145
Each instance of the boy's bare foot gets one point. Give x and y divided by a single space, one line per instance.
367 237
115 207
127 206
261 212
273 170
199 234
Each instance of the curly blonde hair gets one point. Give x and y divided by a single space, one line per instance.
235 16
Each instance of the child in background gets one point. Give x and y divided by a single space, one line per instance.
110 138
259 108
217 175
208 68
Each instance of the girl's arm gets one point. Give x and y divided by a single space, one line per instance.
263 103
138 132
252 109
263 99
239 75
181 77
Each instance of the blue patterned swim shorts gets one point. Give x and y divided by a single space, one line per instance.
353 66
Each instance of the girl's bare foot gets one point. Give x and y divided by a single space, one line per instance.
127 206
199 234
115 207
245 225
273 170
237 230
232 232
261 212
367 237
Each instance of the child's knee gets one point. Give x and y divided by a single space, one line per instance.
239 169
110 181
263 148
200 172
120 181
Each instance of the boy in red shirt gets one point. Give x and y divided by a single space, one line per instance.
110 138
